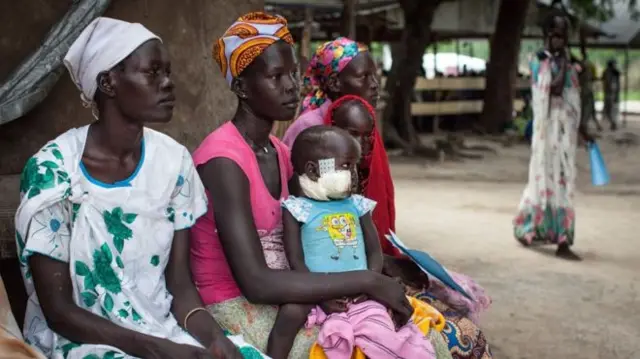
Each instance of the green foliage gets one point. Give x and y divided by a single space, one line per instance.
601 10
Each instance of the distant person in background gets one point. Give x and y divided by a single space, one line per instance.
587 99
611 83
465 71
546 213
523 122
420 96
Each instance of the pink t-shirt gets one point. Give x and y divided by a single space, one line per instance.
209 266
308 119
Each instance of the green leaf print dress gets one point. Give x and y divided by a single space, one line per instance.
116 238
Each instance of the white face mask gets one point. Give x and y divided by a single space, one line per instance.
331 185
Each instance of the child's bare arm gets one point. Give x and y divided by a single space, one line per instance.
292 241
372 244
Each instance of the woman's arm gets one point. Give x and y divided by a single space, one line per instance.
372 243
230 193
186 298
292 242
52 282
558 80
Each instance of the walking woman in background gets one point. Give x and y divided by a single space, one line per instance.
546 213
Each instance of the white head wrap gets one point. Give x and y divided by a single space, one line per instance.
103 44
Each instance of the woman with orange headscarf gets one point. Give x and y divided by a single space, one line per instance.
237 255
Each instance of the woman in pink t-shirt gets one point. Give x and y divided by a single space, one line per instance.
237 257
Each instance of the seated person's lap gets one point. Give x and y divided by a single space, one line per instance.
255 321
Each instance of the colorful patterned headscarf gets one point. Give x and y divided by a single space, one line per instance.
246 39
332 57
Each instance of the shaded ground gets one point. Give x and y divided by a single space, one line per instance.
543 307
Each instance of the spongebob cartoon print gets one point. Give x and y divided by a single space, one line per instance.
341 228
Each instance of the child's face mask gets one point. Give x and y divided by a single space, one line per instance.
331 183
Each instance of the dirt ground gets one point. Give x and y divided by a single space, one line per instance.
543 307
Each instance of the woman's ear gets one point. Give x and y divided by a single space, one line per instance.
239 87
333 83
106 83
312 170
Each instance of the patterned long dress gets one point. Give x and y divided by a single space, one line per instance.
115 238
546 213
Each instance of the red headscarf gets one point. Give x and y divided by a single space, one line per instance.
378 184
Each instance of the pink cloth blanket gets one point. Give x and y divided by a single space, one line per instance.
469 308
368 326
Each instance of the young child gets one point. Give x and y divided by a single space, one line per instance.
328 229
356 116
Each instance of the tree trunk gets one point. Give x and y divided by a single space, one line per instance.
416 36
503 64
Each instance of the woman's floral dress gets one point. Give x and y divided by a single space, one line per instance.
546 213
115 237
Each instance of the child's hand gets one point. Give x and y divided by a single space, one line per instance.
334 306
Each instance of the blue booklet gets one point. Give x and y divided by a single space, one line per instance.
428 264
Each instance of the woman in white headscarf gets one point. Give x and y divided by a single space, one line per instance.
102 227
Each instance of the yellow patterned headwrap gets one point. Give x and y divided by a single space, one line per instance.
246 39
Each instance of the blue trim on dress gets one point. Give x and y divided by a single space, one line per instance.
123 183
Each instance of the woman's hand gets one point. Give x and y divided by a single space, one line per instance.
586 136
390 293
360 299
223 348
166 349
408 271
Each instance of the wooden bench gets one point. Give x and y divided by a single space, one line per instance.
455 107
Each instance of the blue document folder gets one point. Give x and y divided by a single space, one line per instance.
428 264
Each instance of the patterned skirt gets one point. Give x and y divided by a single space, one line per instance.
254 322
463 337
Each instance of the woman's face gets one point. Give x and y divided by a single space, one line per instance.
355 119
270 85
359 78
142 87
558 34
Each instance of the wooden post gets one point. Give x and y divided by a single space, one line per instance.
436 119
305 42
626 87
349 19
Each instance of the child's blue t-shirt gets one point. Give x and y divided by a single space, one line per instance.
332 239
